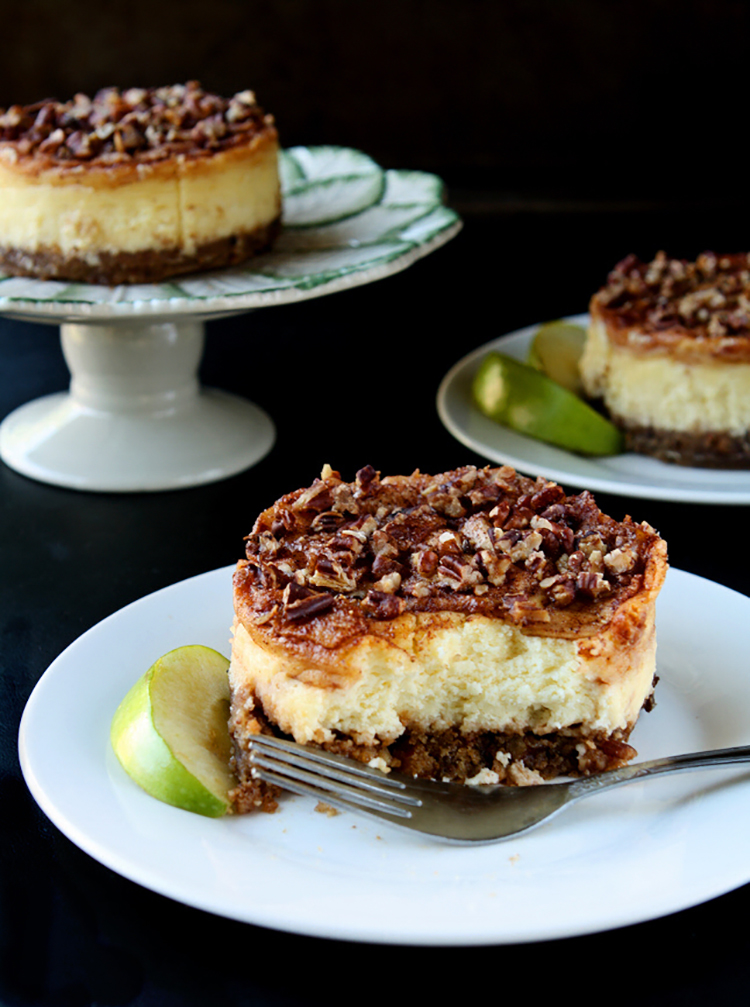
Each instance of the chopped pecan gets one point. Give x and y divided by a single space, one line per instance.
620 560
365 478
563 591
705 298
317 498
425 562
548 494
382 544
54 141
449 544
380 605
330 573
572 563
495 567
500 512
457 574
383 565
360 530
389 583
592 584
115 126
476 530
524 609
521 514
478 540
326 521
306 606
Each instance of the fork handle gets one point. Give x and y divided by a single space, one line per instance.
671 764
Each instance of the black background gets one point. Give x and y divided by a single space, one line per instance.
568 135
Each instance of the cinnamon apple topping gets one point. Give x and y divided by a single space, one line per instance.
473 540
145 124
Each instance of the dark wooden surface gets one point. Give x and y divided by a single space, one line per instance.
349 380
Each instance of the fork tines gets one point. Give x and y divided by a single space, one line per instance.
332 778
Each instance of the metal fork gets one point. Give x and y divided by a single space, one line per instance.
451 811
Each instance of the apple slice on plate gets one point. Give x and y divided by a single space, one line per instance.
556 350
526 400
170 732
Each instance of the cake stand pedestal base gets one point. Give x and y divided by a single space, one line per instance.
135 417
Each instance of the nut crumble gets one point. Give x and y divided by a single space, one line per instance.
116 126
708 298
472 540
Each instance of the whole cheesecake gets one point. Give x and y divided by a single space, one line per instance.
668 356
136 186
477 626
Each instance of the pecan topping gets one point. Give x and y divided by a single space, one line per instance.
301 604
473 540
706 298
381 605
147 124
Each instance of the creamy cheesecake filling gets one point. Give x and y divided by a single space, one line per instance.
184 207
76 219
240 198
651 389
474 673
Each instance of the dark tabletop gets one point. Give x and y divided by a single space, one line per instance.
349 380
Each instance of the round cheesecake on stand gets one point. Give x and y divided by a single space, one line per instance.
136 186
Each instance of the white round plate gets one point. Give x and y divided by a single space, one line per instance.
346 222
627 474
633 854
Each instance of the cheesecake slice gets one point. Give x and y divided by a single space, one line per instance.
477 626
668 356
136 186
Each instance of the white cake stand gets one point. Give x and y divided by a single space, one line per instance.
135 417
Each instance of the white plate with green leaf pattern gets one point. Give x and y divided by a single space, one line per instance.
346 221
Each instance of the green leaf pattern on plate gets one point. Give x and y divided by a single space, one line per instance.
331 199
315 164
343 214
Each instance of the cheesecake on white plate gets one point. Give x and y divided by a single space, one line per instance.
476 626
136 186
667 355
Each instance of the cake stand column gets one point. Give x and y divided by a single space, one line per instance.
135 417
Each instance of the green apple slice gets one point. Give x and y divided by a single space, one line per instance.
526 400
556 350
170 731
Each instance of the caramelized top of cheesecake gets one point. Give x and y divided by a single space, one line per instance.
479 541
693 310
143 125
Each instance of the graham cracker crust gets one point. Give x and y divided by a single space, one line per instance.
713 449
147 266
451 756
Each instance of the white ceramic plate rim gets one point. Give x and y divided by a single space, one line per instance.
626 474
634 854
